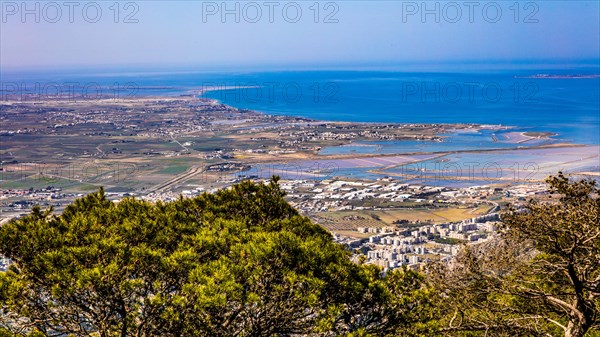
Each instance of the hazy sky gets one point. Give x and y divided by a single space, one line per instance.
275 33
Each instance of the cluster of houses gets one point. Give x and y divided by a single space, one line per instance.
392 247
4 263
388 247
327 195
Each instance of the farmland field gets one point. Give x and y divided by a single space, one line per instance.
343 221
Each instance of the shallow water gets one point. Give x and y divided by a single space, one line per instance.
459 141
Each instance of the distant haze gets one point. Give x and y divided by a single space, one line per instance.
366 33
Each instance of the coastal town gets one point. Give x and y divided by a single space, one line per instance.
392 206
388 222
300 168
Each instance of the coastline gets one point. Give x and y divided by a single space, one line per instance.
520 139
239 125
163 146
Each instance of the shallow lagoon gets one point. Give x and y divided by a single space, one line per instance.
504 166
451 170
325 169
461 140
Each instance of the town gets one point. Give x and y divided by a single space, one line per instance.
54 151
389 222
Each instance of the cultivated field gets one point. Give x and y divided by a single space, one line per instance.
343 221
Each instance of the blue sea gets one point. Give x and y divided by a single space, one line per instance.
565 102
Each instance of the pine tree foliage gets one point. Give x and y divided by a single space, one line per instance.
240 262
541 277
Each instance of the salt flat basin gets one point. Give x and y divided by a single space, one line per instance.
451 169
327 168
521 165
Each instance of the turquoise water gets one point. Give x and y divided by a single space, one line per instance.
458 141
